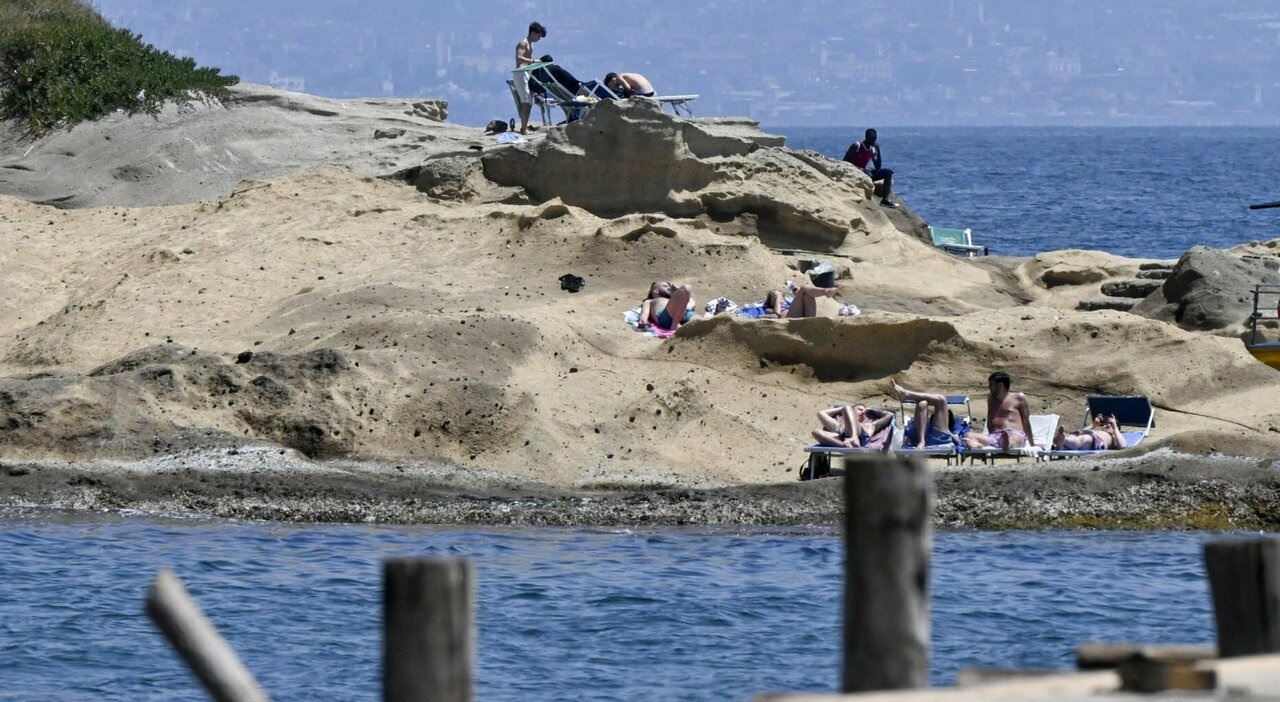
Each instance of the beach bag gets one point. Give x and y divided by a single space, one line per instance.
818 465
496 126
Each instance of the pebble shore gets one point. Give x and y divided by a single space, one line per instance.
1159 491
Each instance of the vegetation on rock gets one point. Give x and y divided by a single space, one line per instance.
61 63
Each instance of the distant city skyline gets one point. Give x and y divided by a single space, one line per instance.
801 63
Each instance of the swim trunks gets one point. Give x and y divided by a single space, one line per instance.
933 436
664 318
1000 438
1099 443
520 80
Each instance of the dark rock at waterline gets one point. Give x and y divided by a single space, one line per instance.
1209 290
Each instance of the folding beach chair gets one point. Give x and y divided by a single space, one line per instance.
1133 411
555 93
818 464
956 241
544 101
948 451
1043 427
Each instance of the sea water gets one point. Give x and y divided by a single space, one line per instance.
1137 192
561 614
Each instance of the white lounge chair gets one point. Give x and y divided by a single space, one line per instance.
1043 427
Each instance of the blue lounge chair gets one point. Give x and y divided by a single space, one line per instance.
1134 411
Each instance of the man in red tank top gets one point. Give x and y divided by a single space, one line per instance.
867 153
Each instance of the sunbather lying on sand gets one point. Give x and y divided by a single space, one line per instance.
844 426
666 306
804 302
1104 435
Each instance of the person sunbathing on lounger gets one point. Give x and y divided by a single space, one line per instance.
804 301
1104 435
666 306
1008 417
844 426
933 423
629 84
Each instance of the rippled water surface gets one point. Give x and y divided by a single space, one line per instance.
1140 192
581 614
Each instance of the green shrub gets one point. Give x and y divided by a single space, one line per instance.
61 63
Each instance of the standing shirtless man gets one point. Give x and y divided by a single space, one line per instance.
524 57
1008 417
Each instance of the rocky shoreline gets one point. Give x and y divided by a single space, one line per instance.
1161 490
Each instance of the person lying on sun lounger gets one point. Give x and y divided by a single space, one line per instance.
845 426
933 423
1104 435
666 306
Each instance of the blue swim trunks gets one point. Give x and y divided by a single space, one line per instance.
664 319
933 436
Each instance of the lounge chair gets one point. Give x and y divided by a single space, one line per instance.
1043 427
957 241
677 102
1130 411
818 464
948 451
555 93
540 101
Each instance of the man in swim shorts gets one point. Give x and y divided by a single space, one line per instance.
1008 417
520 79
845 426
933 424
1103 435
629 84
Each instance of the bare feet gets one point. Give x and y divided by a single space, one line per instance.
894 390
1059 438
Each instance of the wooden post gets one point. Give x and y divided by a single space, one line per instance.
1244 578
888 539
206 653
429 630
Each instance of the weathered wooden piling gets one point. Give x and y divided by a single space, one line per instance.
1244 578
193 636
429 630
888 542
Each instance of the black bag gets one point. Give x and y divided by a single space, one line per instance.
818 466
572 283
496 126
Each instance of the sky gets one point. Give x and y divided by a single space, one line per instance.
790 63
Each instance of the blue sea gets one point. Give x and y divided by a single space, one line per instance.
562 614
1137 192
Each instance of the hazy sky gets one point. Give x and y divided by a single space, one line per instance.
784 62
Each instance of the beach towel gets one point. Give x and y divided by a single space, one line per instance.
632 317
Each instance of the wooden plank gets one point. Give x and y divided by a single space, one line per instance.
192 634
1244 578
888 541
429 630
1096 656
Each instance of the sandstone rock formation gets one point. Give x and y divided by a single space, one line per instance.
402 305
